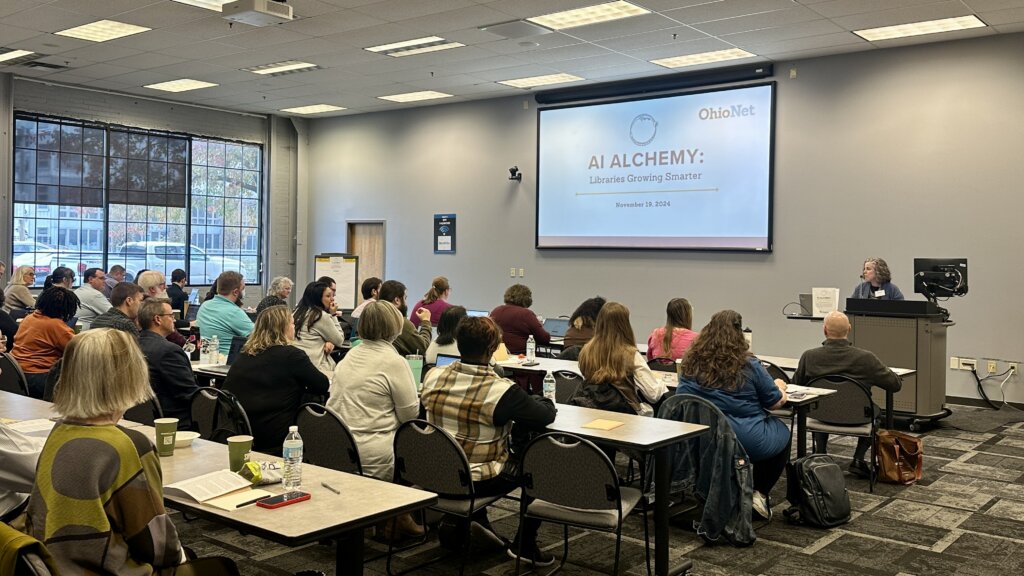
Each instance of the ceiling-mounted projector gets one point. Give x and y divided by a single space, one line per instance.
257 12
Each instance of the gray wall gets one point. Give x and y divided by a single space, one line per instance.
895 153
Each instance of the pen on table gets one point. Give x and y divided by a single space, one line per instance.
250 502
331 488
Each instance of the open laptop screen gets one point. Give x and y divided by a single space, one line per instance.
478 313
445 359
556 326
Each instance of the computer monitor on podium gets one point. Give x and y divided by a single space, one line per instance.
940 277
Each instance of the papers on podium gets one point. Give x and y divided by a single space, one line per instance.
823 301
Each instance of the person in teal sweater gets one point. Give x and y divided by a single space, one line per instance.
221 316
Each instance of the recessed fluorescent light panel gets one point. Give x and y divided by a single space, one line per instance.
920 28
417 46
415 96
535 81
313 109
703 58
13 54
589 15
285 67
102 30
183 85
214 5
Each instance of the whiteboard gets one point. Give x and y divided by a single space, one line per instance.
344 268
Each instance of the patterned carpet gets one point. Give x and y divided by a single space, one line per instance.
965 517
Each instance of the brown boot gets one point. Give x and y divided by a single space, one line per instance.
407 527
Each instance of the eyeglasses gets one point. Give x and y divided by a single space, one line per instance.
166 314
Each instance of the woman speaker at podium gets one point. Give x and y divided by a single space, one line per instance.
877 282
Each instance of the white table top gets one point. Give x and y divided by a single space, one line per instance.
640 432
792 363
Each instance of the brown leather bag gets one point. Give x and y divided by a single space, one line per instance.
900 457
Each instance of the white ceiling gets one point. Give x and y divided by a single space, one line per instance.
190 42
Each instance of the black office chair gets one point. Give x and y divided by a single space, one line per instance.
52 379
662 364
145 413
571 353
429 458
567 383
327 441
217 415
588 498
12 378
848 412
785 412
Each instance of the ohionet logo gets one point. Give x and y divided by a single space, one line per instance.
643 129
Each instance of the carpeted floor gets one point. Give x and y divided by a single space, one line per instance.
965 517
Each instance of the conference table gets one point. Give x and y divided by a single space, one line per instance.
362 501
644 434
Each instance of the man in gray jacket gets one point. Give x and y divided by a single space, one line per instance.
837 355
91 300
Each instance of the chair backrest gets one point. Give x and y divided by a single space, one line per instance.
593 484
237 343
52 379
566 385
145 413
327 441
571 353
429 457
662 364
17 313
850 406
12 378
217 414
775 372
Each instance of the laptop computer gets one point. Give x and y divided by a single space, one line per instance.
445 359
806 304
236 348
478 313
556 326
193 297
193 311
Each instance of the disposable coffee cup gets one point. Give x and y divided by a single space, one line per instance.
166 429
416 366
238 451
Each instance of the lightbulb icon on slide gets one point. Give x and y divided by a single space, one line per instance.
643 129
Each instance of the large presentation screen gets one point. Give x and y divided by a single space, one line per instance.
690 171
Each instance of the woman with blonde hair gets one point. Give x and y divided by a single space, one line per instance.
435 300
277 293
116 522
615 375
720 368
374 393
270 377
672 339
17 295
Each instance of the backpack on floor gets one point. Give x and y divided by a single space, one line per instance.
817 492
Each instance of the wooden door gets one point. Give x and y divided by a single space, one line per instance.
366 240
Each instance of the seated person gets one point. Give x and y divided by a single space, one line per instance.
316 330
91 300
61 276
8 325
98 502
170 372
270 377
125 300
837 355
18 296
222 317
611 359
277 293
877 282
19 455
369 289
445 342
374 393
672 339
176 291
114 277
43 335
517 322
581 323
475 405
412 340
435 300
719 368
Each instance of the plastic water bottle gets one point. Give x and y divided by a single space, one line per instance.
531 349
292 459
214 350
204 351
549 386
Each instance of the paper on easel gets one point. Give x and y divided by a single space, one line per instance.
823 301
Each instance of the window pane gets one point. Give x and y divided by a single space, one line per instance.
158 148
119 144
24 165
47 167
25 133
92 171
49 136
71 138
93 142
71 169
177 150
138 145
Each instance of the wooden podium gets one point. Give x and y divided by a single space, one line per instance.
908 334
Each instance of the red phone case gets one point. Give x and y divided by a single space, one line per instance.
301 497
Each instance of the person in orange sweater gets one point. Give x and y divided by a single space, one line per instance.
43 335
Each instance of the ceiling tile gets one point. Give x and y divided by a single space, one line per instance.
146 60
47 19
758 21
202 50
399 10
166 14
517 72
102 71
51 44
624 27
582 66
801 30
332 23
11 35
680 49
376 35
711 11
103 52
822 41
309 8
934 11
998 17
101 9
266 36
8 7
568 53
531 44
468 17
837 8
657 38
152 40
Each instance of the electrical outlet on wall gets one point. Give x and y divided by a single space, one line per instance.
968 363
992 367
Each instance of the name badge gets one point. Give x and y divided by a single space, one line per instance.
879 293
